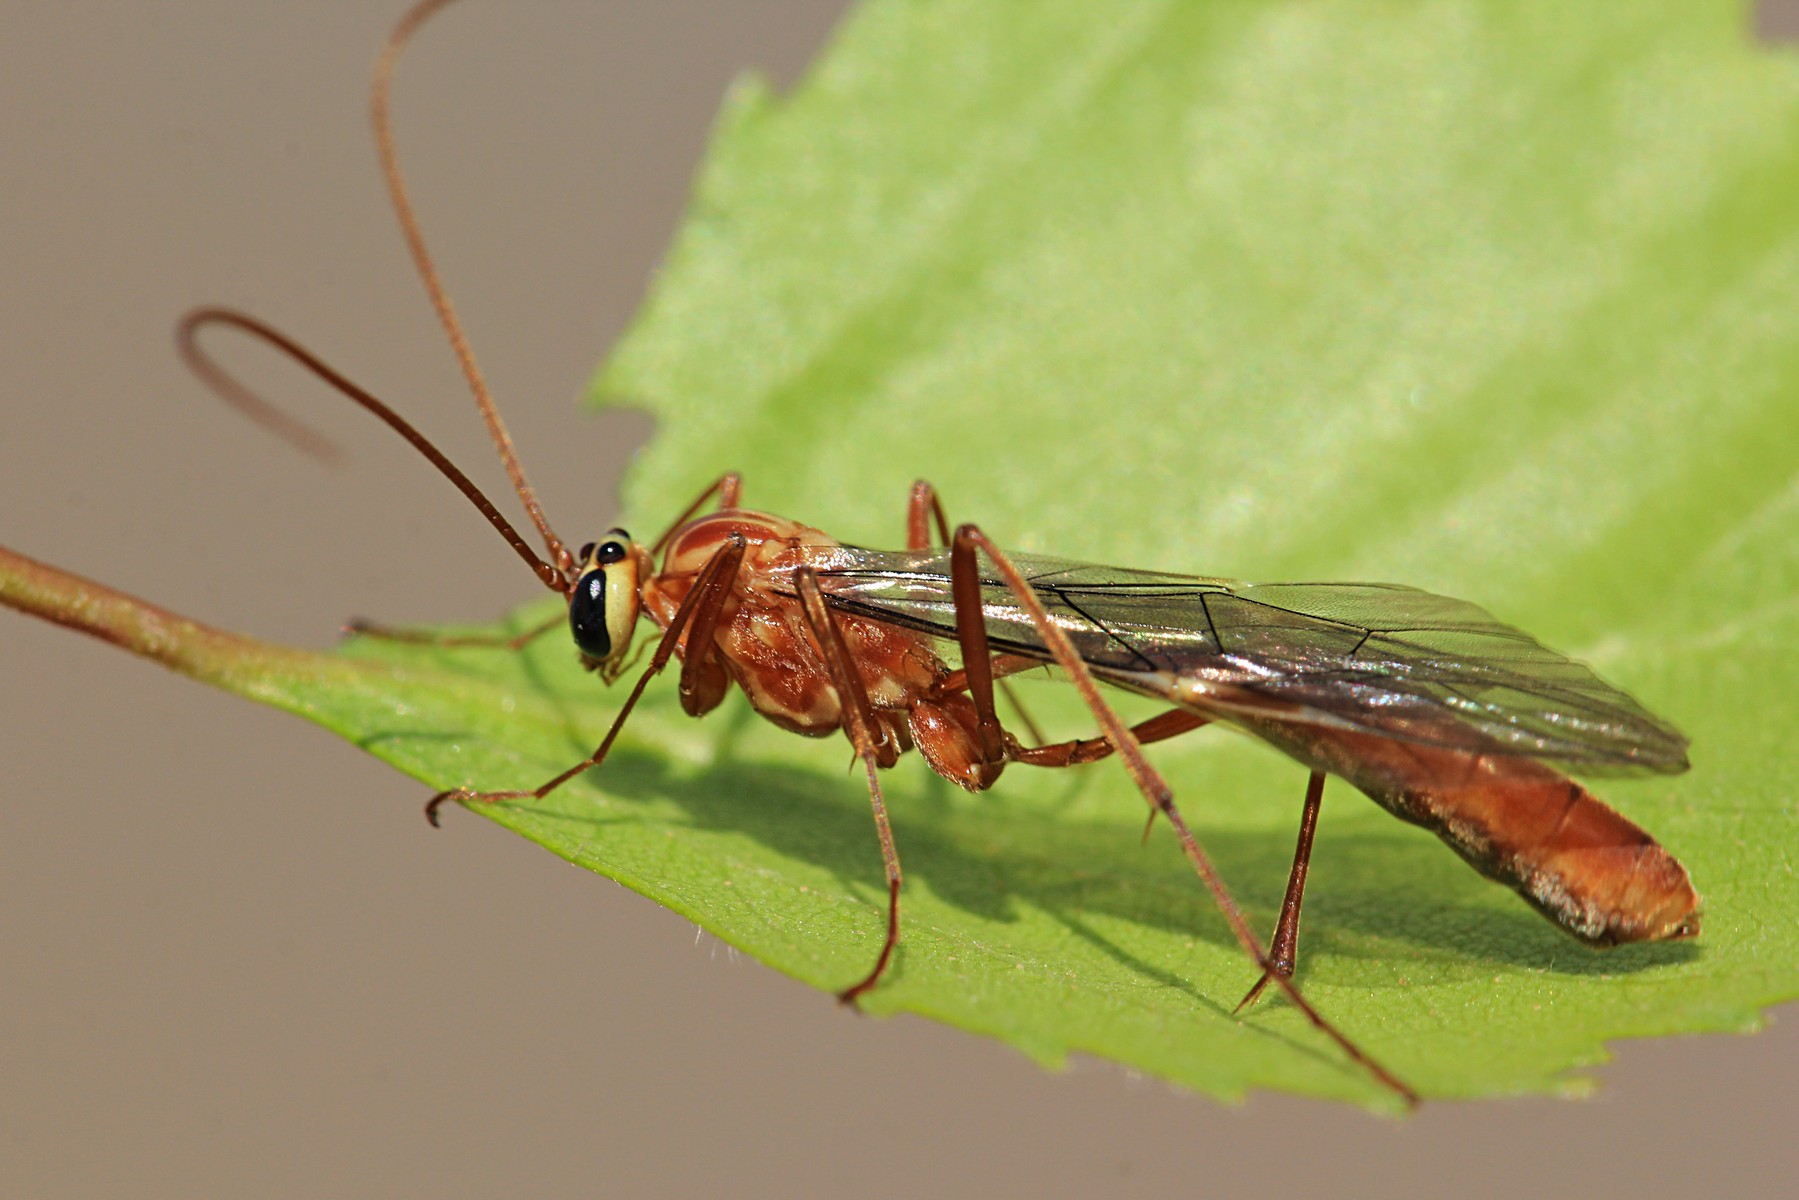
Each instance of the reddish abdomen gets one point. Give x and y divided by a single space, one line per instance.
1576 860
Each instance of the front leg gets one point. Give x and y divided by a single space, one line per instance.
859 722
698 614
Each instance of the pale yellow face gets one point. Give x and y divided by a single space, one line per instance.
603 606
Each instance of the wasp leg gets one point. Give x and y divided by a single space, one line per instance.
426 637
729 490
1076 751
971 633
1283 951
700 610
924 508
859 722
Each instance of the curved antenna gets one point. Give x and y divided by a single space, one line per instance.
440 297
221 381
291 430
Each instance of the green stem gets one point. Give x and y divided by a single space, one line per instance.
226 660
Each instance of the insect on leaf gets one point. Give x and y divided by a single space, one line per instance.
1497 301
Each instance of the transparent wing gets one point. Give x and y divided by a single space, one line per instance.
1385 659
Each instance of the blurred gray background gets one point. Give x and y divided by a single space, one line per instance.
233 958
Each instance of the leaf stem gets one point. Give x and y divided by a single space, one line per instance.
226 660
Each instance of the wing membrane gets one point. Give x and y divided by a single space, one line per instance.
1382 658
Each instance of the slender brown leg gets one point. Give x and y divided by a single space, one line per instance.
1283 951
389 633
971 636
859 721
715 577
1000 666
703 680
729 490
971 633
923 509
1158 728
1161 727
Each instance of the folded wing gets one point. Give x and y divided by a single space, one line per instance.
1379 658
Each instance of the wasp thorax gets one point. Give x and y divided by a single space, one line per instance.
602 607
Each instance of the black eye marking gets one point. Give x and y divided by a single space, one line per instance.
611 552
587 615
586 552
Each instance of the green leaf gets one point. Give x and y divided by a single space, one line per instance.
1495 299
1500 300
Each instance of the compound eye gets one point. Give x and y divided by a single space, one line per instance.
587 613
603 607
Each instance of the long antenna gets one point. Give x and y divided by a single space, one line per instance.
434 287
257 409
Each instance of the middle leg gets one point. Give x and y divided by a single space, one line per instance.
924 509
972 635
